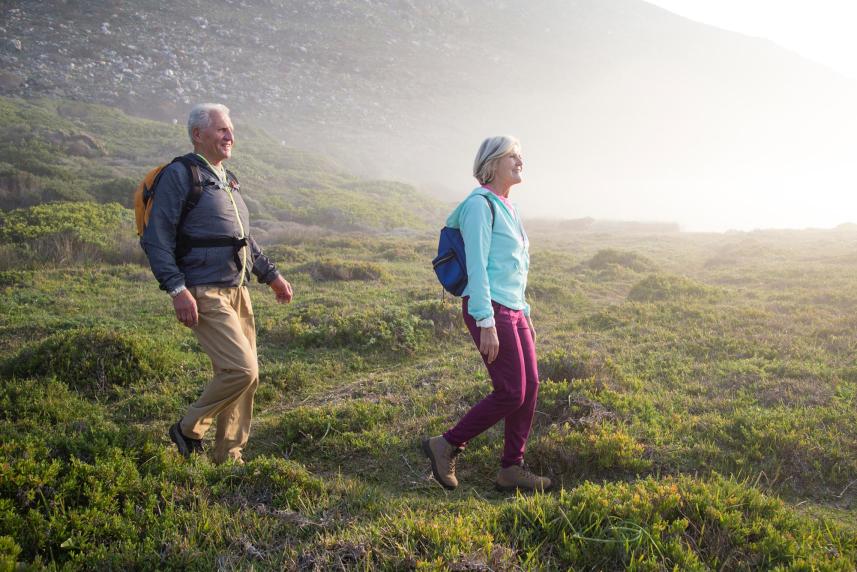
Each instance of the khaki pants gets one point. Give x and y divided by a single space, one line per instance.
227 333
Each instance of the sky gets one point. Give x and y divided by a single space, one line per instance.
820 30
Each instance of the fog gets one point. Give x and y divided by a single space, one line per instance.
625 111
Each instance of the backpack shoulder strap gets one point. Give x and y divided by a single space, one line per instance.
232 181
195 192
491 205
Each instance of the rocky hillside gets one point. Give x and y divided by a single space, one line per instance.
608 95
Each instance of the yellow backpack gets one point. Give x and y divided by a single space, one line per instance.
144 193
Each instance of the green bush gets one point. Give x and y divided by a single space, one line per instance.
559 365
444 316
95 360
591 448
388 330
266 481
608 258
310 425
89 223
337 270
658 288
9 551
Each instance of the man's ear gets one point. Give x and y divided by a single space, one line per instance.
195 134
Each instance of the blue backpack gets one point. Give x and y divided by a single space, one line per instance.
450 265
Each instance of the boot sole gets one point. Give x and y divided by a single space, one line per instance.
434 471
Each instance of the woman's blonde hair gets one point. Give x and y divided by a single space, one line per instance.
492 149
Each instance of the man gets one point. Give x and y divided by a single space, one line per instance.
202 256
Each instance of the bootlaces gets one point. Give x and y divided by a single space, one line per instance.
453 458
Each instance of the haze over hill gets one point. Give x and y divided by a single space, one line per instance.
625 110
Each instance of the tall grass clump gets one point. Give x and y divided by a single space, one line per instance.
671 524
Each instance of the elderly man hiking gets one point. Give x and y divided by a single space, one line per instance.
197 242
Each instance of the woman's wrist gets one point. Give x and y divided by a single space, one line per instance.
486 323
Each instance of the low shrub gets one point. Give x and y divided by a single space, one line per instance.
599 447
48 412
444 316
561 365
66 233
388 330
671 524
314 424
90 223
9 551
336 270
658 288
266 481
94 360
608 258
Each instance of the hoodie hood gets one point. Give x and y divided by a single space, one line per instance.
453 220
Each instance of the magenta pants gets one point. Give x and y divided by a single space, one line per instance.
515 378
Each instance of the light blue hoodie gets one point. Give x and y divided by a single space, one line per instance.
497 260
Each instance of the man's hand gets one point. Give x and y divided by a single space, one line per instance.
488 343
185 306
282 289
532 329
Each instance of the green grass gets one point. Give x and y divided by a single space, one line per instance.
697 409
695 416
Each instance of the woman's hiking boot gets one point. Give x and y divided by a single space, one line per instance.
442 455
516 477
185 445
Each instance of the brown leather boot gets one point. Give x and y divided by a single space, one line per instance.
517 477
442 455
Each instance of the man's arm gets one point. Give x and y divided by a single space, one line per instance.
159 240
267 273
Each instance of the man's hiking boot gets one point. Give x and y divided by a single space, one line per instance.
517 477
442 456
186 445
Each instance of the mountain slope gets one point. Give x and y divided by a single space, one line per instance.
65 150
625 110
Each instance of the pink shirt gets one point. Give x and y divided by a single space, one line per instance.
505 200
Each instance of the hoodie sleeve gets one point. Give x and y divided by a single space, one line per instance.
263 268
159 238
475 225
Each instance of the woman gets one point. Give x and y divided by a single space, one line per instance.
498 318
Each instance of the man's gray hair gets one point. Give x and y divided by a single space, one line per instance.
200 116
492 149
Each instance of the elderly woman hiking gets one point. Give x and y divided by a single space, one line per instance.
498 318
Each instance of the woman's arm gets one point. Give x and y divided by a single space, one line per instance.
475 225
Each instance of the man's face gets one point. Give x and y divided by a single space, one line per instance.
215 141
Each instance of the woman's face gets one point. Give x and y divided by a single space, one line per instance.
507 169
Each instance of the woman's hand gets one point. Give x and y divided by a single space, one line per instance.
489 344
532 329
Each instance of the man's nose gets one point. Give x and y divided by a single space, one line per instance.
229 135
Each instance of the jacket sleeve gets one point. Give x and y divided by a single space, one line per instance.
159 238
263 268
475 225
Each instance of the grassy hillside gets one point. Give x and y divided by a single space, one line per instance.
59 150
697 410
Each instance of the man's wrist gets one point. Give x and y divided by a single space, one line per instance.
177 290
